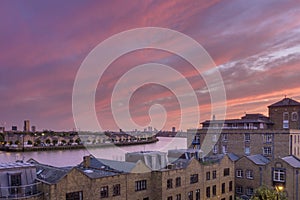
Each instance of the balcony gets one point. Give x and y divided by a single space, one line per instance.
21 192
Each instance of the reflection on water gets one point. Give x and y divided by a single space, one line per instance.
74 157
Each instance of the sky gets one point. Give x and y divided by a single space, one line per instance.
255 46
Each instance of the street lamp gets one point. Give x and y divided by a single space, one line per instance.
279 189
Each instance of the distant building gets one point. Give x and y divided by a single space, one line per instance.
2 129
14 128
33 128
26 126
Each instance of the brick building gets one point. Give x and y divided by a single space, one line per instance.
267 147
211 178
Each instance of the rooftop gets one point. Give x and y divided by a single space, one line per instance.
258 159
15 165
285 102
292 160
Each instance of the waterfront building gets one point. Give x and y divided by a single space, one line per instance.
108 179
18 181
275 136
266 148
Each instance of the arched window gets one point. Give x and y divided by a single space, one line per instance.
294 116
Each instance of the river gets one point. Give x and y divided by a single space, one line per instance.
62 158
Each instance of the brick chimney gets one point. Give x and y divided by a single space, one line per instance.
86 161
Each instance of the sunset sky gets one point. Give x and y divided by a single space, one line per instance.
255 45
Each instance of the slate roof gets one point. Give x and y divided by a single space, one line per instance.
285 102
292 160
258 159
120 166
233 157
110 165
96 173
51 174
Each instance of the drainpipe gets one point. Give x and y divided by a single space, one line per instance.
260 176
297 187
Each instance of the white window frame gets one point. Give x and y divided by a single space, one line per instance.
249 174
268 138
224 149
247 152
249 191
239 173
247 137
279 175
239 189
215 149
267 150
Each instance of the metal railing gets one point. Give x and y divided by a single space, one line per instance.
21 192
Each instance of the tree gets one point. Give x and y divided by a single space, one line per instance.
265 193
29 142
78 141
17 142
48 141
54 142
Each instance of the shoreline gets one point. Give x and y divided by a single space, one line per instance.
71 147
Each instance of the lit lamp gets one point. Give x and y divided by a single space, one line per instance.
279 189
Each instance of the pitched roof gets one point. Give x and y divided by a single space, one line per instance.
292 160
96 173
51 174
285 102
120 166
258 159
233 157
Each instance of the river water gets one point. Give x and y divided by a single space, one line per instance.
73 157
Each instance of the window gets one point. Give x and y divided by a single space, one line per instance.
214 139
239 173
230 186
169 183
194 178
207 176
104 192
225 137
249 191
215 150
285 116
294 116
286 120
223 188
178 196
247 150
170 198
208 192
224 149
140 185
267 151
230 198
268 138
74 196
214 190
247 137
214 174
116 190
190 195
279 175
198 194
239 189
15 181
226 172
249 174
178 182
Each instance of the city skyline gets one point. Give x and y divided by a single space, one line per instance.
255 46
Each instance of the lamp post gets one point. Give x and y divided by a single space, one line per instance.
279 189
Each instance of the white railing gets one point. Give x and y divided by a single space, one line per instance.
20 192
